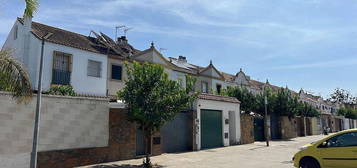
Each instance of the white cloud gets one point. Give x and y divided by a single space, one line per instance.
323 64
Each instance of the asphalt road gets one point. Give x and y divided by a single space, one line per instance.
256 155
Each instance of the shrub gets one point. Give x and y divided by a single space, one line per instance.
63 90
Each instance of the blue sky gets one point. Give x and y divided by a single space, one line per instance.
310 44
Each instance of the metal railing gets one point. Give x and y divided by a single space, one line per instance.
61 77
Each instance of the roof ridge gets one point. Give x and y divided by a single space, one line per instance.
22 20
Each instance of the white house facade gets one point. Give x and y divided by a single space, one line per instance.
65 61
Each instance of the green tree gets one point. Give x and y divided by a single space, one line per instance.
260 100
153 99
307 110
14 78
348 113
247 98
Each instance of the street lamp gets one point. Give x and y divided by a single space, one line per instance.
33 162
266 130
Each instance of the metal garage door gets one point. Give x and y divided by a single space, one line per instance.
211 129
177 134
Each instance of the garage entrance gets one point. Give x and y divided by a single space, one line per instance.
211 129
177 134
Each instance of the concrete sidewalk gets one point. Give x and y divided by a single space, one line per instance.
256 155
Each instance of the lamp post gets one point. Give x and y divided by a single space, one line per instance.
266 130
33 162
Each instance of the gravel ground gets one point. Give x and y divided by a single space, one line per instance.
256 155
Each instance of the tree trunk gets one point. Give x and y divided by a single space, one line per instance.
147 134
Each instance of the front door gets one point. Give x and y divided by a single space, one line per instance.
211 129
340 151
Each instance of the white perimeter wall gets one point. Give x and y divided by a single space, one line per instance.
225 107
66 123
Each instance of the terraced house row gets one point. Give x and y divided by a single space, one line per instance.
93 128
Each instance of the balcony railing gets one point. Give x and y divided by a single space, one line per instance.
61 77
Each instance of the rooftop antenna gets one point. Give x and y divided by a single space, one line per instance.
116 30
162 49
126 29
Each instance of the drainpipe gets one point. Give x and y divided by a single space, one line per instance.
33 162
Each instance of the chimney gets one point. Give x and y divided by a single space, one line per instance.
26 42
27 24
182 59
122 40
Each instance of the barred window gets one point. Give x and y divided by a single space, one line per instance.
94 68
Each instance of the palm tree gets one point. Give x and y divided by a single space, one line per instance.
14 78
31 8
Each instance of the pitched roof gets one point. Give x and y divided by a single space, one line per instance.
213 67
71 39
205 96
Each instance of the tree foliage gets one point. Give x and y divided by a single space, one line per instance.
342 96
348 112
31 7
14 78
247 98
152 98
281 102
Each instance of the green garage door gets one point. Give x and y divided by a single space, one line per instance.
211 129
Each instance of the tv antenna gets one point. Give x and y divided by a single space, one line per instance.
162 49
116 30
126 29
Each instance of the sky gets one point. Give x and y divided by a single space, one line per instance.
309 44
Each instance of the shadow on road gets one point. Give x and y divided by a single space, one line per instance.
123 166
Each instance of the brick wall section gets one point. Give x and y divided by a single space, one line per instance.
156 148
288 127
247 128
121 146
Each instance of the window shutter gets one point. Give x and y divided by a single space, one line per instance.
94 68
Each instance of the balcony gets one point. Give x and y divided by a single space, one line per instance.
61 77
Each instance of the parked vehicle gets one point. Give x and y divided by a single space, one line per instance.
335 151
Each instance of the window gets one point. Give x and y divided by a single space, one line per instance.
344 140
204 87
61 72
94 68
117 72
218 87
16 29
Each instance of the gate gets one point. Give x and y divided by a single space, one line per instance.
259 129
177 134
211 129
274 126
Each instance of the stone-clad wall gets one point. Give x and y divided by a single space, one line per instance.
66 123
288 127
247 128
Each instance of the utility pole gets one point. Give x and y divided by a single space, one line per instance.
33 162
266 130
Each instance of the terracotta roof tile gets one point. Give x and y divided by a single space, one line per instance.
75 40
205 96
